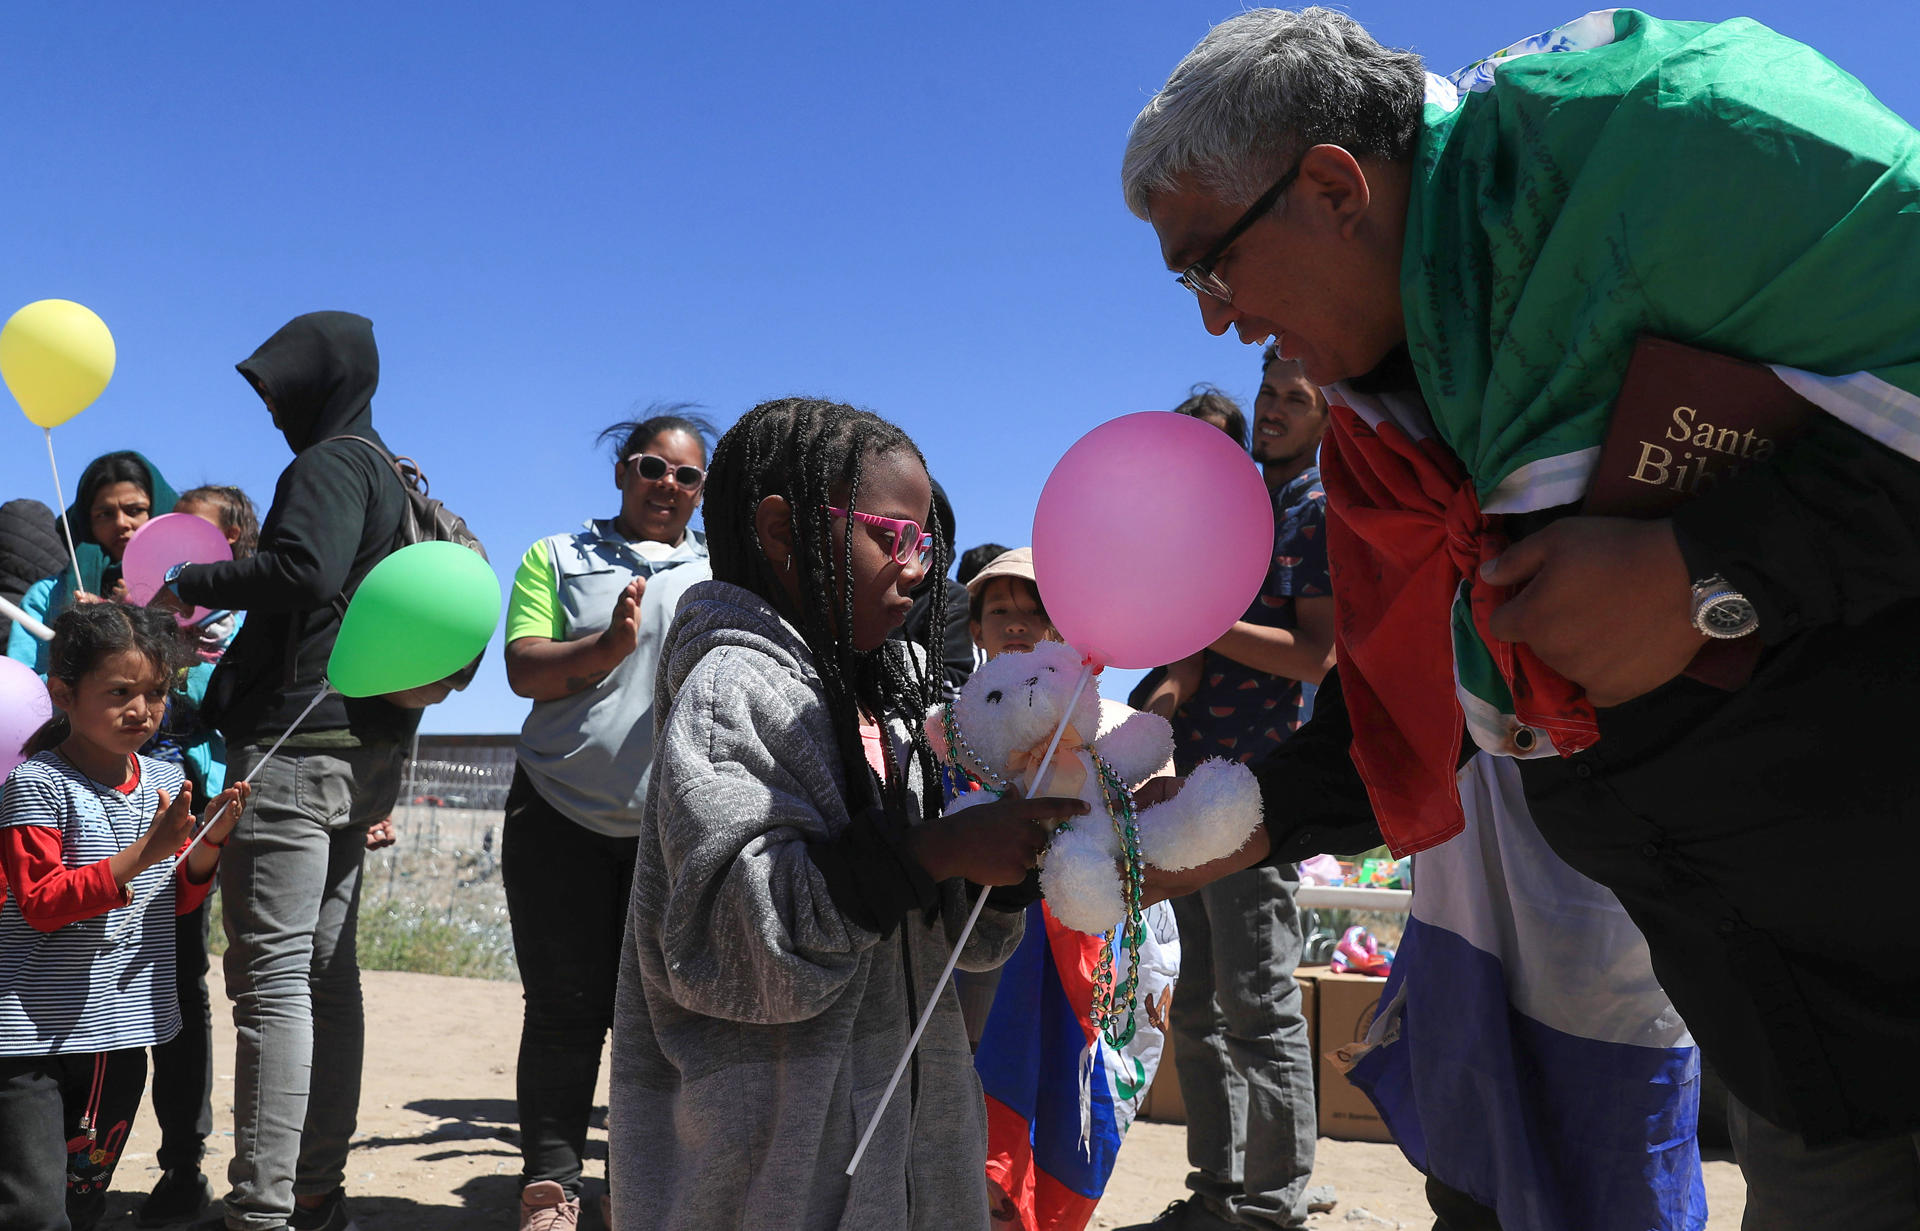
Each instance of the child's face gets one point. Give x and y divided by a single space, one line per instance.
118 510
207 513
894 484
1010 621
118 705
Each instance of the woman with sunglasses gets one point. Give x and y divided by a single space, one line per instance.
584 629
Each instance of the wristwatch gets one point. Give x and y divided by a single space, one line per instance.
1722 612
173 575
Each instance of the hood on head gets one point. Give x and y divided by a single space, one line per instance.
943 524
93 557
318 373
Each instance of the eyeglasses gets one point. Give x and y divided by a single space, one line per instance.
910 545
1199 276
654 469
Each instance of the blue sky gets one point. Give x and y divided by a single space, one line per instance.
554 213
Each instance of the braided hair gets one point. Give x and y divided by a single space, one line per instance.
814 453
86 634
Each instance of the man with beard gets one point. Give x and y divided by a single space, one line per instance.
1246 1071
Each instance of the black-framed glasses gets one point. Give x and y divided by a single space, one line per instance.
1199 276
654 469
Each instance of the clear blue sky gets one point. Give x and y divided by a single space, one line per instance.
554 213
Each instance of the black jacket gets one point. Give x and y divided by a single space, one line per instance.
336 513
30 549
1722 820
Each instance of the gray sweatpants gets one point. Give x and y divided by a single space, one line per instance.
290 891
1246 1070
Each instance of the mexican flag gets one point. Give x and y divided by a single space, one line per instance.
1719 185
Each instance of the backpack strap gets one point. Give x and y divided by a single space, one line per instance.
411 476
411 479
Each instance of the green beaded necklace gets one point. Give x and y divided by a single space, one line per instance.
1113 1009
1113 1006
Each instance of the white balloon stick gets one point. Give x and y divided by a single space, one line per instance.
207 825
25 621
60 506
926 1014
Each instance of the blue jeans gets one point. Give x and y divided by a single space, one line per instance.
1241 1050
290 892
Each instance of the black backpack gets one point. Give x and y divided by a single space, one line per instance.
426 520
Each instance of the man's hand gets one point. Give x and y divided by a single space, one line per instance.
381 835
1605 601
1158 884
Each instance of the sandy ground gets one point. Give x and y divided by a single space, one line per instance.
437 1146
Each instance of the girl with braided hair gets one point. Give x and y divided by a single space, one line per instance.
797 892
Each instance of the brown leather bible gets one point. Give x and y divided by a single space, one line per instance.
1686 419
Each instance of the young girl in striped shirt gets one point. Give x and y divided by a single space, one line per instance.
90 834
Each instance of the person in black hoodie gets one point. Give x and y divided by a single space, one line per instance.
290 878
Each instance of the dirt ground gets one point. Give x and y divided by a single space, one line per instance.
437 1146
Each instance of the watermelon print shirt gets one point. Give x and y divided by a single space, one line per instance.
1240 713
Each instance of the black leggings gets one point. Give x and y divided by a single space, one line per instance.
567 891
54 1174
183 1065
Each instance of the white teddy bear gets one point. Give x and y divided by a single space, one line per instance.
1000 725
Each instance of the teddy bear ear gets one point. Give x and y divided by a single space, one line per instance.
936 727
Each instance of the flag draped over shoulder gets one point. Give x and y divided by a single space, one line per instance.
1720 185
1525 1054
1029 1066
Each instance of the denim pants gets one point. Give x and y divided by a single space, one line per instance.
1851 1186
1241 1049
183 1065
290 891
52 1176
567 890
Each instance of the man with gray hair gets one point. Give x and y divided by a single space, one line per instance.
1466 265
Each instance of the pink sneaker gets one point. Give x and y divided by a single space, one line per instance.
545 1206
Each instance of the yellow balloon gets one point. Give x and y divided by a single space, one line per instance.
56 357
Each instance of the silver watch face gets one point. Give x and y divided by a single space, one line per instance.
1726 615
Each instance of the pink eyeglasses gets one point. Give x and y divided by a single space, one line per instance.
910 544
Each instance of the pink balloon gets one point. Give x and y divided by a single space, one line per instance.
1152 536
167 540
24 707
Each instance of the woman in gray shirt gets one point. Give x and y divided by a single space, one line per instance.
584 628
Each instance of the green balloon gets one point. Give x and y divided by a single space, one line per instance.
420 615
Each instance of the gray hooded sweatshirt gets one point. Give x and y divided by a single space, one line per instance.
756 1024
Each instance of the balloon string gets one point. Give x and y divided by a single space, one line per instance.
208 824
933 1001
60 502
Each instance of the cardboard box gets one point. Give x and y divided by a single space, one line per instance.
1347 1003
1163 1102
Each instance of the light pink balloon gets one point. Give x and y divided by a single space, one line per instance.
24 707
167 540
1152 536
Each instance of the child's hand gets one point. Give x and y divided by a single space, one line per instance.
226 807
994 844
172 825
